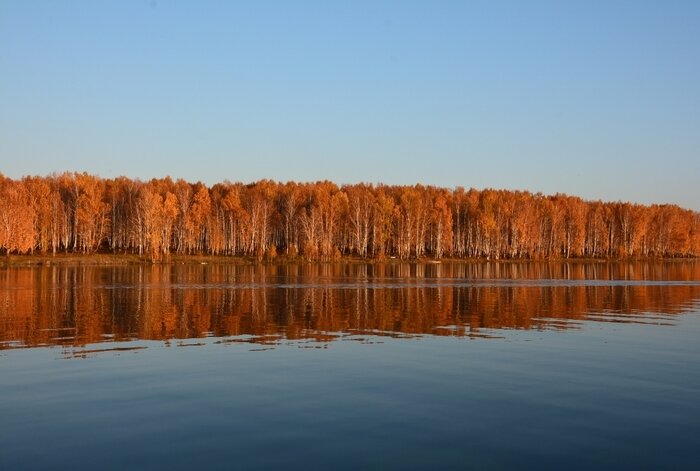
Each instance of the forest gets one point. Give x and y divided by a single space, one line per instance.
83 213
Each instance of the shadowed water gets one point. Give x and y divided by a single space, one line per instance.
376 366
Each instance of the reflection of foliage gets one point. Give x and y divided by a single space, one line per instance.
83 213
317 301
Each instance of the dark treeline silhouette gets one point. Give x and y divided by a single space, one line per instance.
79 305
81 213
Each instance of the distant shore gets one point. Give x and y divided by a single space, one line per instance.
110 259
76 213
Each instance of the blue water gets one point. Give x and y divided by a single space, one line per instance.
602 395
605 396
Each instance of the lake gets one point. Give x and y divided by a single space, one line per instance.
447 365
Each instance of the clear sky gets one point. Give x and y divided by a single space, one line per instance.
594 98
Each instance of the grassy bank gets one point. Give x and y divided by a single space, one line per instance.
109 259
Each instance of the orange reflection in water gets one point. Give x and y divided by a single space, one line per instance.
76 306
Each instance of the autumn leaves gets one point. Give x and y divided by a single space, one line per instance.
82 213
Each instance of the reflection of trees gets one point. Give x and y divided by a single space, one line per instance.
79 305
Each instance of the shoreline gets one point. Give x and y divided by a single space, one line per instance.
110 259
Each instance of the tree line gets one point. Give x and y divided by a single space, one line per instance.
82 213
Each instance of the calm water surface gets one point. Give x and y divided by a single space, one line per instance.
347 366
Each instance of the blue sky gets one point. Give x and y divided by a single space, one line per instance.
598 99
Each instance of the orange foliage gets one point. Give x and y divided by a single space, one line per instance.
77 212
